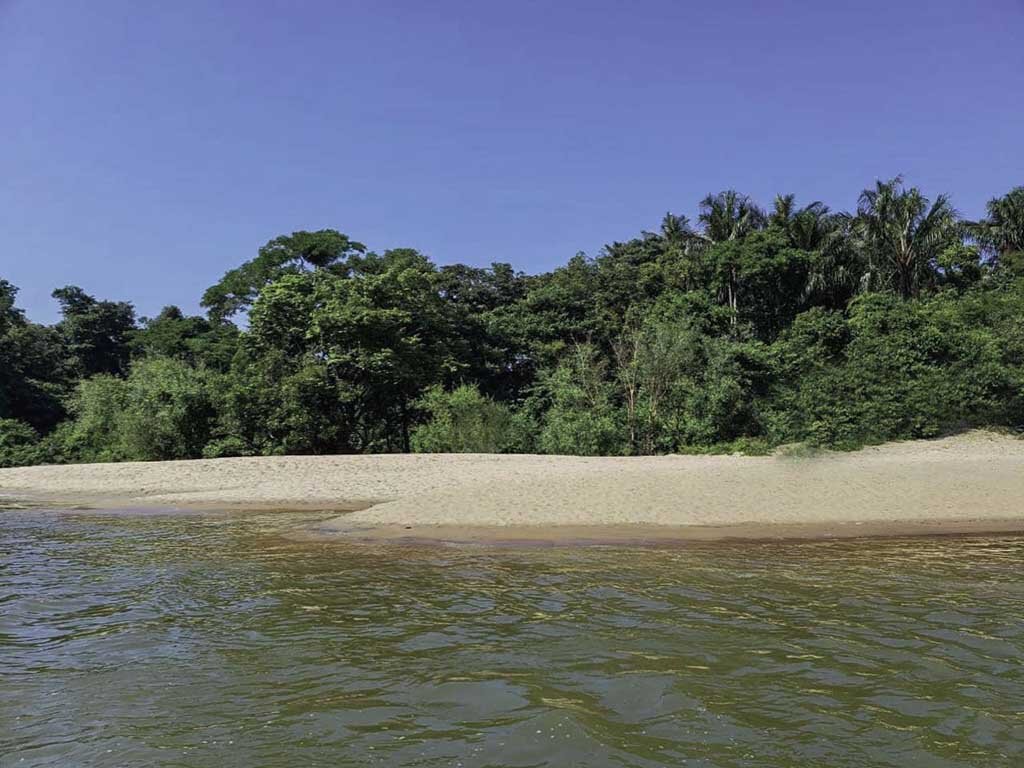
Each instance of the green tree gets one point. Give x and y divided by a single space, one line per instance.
897 369
368 340
165 409
385 333
903 233
582 418
325 250
656 365
97 333
191 339
764 279
34 372
728 217
94 432
751 329
170 410
482 347
1001 232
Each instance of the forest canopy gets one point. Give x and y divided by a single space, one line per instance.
743 329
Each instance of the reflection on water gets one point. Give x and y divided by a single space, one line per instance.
212 640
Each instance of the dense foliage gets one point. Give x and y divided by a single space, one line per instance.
749 329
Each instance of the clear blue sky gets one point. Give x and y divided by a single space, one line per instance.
149 146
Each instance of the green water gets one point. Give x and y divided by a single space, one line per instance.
214 640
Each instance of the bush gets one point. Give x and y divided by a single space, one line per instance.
170 411
462 421
583 419
899 369
94 431
19 444
225 447
165 409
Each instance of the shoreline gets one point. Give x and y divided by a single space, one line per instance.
659 536
967 484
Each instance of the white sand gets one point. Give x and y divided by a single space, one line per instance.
976 478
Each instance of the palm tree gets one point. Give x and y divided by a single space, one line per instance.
729 216
676 229
835 270
902 234
783 210
808 228
725 217
1002 231
682 247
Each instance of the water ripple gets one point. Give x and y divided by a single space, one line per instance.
214 640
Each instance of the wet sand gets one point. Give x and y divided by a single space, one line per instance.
963 484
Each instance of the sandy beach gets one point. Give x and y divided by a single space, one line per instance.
966 483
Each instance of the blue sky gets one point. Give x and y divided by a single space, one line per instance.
149 146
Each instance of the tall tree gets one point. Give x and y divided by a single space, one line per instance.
730 216
764 277
1002 230
474 299
903 233
835 270
325 249
97 333
809 228
34 374
726 217
190 338
682 250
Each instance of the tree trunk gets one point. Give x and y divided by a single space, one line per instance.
406 443
733 298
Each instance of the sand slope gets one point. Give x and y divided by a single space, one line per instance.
973 477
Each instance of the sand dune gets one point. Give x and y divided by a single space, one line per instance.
968 482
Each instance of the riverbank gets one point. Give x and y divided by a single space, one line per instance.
967 483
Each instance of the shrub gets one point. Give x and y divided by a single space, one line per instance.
96 408
165 409
583 418
462 421
19 443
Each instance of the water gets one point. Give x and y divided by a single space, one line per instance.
213 640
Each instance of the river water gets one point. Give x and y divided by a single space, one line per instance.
216 640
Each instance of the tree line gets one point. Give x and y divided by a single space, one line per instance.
744 329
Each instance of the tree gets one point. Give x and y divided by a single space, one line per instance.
10 315
34 374
170 410
384 332
746 330
94 432
365 342
325 249
680 249
582 418
165 409
810 228
903 234
655 366
727 217
899 369
97 333
764 278
191 339
483 350
1002 230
